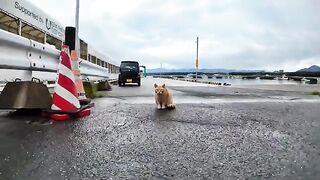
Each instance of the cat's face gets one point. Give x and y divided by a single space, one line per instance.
159 89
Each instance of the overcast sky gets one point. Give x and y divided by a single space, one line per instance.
234 34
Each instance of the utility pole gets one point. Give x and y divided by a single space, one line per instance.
197 60
77 44
160 70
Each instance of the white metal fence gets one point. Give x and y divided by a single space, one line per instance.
24 58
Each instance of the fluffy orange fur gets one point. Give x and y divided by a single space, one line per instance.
163 97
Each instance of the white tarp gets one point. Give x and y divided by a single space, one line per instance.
34 16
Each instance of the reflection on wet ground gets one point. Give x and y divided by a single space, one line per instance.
214 132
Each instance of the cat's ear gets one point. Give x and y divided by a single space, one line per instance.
163 85
155 85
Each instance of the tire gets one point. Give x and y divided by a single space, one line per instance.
139 83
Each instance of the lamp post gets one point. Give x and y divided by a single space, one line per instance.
197 59
160 70
77 44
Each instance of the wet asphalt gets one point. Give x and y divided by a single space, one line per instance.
214 133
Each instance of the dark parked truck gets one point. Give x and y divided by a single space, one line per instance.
129 73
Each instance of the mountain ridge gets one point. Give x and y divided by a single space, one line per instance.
313 68
217 70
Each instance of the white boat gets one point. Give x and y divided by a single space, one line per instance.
218 76
305 80
191 76
284 77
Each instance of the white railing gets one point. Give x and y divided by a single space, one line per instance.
19 54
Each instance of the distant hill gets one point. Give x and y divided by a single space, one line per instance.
313 68
159 70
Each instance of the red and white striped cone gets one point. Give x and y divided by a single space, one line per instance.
77 75
65 92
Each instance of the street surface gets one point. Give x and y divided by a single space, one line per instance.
214 132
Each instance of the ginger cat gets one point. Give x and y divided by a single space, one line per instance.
163 97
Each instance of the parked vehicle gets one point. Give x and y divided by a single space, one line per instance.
129 73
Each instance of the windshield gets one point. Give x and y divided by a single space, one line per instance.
130 66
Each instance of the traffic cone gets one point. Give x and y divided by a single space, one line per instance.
65 102
77 74
65 96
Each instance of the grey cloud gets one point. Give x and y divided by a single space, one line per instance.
237 34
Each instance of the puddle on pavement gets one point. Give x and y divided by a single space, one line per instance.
32 117
214 100
284 97
44 122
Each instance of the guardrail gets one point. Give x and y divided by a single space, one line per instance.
19 53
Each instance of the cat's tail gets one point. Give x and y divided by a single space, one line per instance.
171 106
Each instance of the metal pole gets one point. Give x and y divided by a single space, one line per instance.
77 45
20 27
45 38
160 70
197 60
